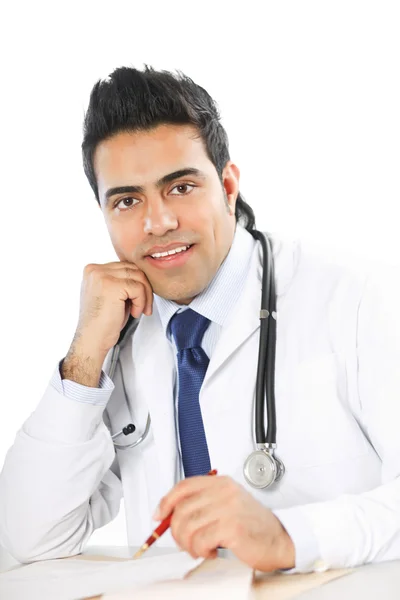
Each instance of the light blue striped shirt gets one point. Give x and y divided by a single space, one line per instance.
215 302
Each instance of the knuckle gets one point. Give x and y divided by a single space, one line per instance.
89 269
104 280
225 479
180 487
138 273
130 273
183 484
228 484
135 285
96 273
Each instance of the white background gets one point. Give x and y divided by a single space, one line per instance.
309 94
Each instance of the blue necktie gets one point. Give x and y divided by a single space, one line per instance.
188 328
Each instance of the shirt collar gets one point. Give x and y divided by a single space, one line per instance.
220 296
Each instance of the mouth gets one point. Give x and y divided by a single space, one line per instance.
173 258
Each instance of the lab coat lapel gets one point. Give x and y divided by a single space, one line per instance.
154 367
243 321
245 318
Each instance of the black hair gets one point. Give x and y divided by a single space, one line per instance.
133 100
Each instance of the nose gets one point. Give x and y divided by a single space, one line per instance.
159 218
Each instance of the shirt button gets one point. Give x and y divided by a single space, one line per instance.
320 566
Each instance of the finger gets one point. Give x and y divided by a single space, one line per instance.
146 295
185 489
127 270
137 295
130 271
140 276
205 541
193 514
133 277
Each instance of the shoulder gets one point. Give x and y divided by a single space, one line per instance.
320 271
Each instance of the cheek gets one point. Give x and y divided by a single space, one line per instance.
203 216
123 239
217 222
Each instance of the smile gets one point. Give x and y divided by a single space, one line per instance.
170 252
176 257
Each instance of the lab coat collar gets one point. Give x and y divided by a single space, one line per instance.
286 253
244 319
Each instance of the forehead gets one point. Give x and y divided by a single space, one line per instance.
143 157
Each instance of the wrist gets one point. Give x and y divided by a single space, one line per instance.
286 553
83 365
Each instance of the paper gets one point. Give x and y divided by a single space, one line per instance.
219 578
72 579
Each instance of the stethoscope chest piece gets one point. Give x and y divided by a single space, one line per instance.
262 469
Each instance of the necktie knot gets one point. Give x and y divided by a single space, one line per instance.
188 328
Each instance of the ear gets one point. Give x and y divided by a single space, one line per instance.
230 181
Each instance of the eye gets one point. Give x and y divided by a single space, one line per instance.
126 203
182 189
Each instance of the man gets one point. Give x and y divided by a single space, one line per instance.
157 159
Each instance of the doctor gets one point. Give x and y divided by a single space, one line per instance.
157 159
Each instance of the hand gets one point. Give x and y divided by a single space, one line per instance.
216 511
109 293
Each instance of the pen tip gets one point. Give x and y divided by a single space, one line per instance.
140 551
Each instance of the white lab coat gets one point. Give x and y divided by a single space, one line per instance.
338 416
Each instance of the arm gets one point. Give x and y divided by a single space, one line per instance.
350 530
60 480
356 529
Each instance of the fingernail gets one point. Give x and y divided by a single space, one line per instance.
157 516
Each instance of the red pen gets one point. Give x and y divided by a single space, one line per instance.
162 528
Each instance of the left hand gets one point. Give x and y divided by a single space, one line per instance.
209 512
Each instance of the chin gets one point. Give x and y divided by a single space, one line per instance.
179 292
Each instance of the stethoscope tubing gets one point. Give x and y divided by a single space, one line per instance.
265 381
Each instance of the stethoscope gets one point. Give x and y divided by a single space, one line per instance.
262 468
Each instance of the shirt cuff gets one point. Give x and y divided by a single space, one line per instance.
81 393
307 552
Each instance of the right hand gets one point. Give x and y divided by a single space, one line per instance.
109 294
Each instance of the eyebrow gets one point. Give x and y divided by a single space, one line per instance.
139 189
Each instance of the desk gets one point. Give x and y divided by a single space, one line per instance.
369 582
